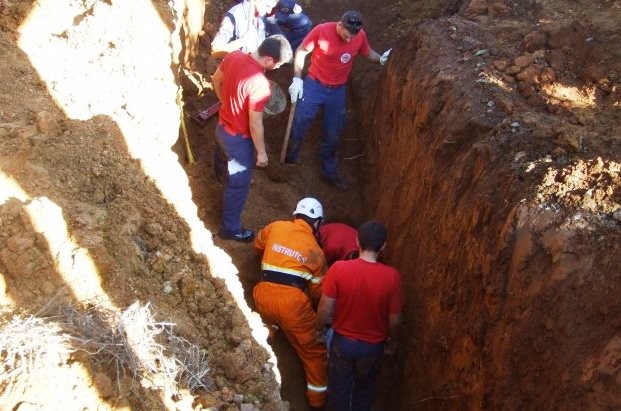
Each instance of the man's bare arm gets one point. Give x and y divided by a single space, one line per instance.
258 138
394 321
299 59
216 82
373 56
324 312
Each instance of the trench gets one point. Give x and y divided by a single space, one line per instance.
499 183
275 191
426 158
273 196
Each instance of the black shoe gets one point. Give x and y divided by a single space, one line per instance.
337 182
243 236
292 162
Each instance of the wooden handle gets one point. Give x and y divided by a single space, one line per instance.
283 151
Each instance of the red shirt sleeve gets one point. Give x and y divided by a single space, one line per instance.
311 38
259 93
365 49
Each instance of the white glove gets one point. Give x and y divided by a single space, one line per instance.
296 89
384 57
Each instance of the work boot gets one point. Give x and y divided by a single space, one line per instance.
292 161
336 181
244 236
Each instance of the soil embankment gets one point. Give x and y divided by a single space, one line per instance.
502 200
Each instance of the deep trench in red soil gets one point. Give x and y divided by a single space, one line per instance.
489 145
507 306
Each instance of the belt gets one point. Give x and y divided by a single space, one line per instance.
326 85
284 279
355 340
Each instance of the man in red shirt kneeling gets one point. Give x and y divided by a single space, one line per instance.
338 242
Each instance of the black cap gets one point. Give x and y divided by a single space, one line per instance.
352 21
286 6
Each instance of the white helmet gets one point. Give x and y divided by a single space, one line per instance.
309 207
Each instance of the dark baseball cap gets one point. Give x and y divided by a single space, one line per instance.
287 5
352 21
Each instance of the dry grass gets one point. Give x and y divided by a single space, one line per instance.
129 343
30 344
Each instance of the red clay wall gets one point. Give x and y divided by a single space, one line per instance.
507 306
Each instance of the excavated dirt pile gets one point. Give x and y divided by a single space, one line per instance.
96 215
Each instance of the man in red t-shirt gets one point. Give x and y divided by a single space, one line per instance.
338 242
333 47
243 90
364 299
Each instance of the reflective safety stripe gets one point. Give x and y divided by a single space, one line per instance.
315 280
316 388
297 273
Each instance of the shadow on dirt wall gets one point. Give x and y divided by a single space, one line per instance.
33 285
117 217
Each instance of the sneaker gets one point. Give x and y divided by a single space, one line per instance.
244 236
337 182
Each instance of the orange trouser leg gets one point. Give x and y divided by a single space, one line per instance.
290 309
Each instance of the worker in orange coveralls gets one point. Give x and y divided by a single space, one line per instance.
338 242
293 265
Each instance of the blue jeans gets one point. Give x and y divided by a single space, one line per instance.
233 160
353 367
334 118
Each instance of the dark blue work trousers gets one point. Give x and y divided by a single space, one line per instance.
233 160
353 367
293 26
332 99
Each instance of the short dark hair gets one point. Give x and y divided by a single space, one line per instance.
352 21
309 220
277 47
371 235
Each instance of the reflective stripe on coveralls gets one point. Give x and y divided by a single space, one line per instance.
291 310
297 273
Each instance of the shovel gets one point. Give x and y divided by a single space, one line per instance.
283 151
